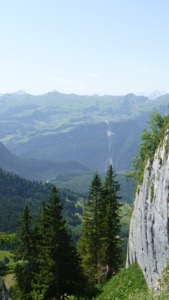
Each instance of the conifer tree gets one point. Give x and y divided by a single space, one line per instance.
89 243
25 255
99 245
58 260
110 253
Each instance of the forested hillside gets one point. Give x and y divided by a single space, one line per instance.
20 198
47 264
16 192
70 175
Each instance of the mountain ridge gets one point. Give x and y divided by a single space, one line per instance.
60 127
35 169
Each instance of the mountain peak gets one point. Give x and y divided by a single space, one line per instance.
20 92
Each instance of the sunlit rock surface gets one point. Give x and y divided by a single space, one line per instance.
149 228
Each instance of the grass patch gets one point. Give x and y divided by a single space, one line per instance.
125 284
9 281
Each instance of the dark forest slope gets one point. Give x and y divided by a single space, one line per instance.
15 192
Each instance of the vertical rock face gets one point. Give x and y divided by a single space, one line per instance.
149 228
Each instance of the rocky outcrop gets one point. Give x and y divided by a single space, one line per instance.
149 228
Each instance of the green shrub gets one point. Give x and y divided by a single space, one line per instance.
151 139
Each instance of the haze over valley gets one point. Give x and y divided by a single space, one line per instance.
66 138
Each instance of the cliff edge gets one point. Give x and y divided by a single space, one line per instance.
149 228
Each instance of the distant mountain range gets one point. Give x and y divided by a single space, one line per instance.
34 169
73 133
153 95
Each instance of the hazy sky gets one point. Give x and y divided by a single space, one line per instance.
84 46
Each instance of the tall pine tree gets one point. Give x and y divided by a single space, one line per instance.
25 256
110 254
99 242
58 260
89 243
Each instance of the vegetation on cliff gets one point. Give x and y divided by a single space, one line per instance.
151 139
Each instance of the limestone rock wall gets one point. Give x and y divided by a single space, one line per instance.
149 228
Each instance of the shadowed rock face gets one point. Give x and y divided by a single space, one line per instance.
149 228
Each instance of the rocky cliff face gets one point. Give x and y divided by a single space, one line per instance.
149 228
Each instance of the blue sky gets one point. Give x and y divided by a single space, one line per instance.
84 46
